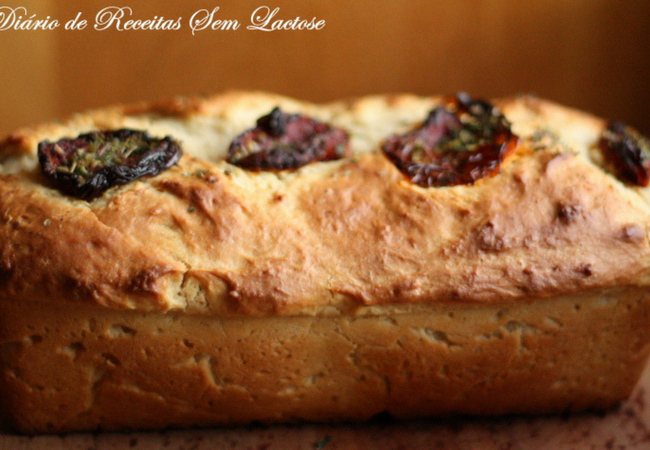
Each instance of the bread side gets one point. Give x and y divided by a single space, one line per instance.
66 368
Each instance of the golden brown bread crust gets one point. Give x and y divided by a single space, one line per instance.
208 295
207 237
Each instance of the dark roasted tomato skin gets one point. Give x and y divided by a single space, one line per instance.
86 166
282 141
459 143
628 152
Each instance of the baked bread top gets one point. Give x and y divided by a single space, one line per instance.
347 236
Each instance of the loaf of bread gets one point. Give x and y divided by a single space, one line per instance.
213 293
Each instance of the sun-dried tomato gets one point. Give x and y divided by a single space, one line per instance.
282 141
89 164
628 152
458 143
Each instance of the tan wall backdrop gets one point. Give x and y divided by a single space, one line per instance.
592 54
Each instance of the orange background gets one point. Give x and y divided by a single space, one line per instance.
592 54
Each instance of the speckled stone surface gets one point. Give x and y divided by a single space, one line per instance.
624 428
